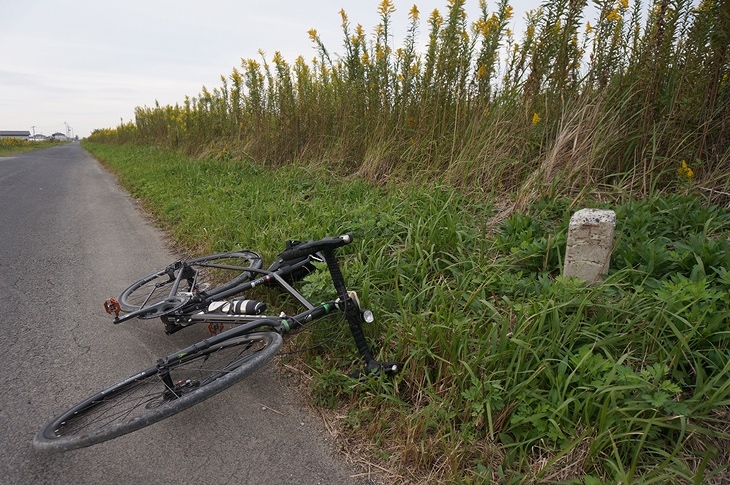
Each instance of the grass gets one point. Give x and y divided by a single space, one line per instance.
457 169
512 373
9 147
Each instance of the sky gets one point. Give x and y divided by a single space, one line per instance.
75 66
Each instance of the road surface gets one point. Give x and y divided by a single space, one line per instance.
69 238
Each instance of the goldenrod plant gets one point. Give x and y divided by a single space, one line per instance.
457 170
638 88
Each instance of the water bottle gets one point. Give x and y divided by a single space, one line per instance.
240 306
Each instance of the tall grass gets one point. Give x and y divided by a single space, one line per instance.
568 102
511 372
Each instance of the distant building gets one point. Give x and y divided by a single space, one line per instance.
18 135
59 136
38 137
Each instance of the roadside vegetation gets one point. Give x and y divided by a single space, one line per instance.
12 146
457 171
571 104
511 372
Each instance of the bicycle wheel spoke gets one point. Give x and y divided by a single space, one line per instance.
223 266
157 392
107 411
209 275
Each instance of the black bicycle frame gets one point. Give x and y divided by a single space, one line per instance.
291 259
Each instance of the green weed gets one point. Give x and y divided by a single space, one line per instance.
511 372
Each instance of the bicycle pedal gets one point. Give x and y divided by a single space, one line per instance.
112 307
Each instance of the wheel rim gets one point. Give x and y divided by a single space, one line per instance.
144 399
207 275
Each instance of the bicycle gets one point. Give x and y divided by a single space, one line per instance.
198 289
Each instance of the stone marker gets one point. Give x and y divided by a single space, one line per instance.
590 241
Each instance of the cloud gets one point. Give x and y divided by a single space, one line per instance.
92 62
14 78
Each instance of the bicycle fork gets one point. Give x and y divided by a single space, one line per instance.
354 316
173 390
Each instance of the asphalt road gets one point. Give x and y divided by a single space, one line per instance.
69 238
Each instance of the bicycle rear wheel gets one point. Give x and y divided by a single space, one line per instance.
157 393
215 276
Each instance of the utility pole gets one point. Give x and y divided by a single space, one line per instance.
33 128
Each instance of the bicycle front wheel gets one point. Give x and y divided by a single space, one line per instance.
157 393
215 276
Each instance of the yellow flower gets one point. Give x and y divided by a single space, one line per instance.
613 15
436 18
235 77
386 7
589 28
413 13
685 171
536 118
624 4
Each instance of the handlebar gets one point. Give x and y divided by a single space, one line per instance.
350 308
312 247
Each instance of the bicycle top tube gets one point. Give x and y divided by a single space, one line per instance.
266 278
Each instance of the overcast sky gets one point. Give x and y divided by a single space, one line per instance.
89 63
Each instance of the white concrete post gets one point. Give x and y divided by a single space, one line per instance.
590 241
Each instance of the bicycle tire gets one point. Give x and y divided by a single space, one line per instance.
214 275
143 399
